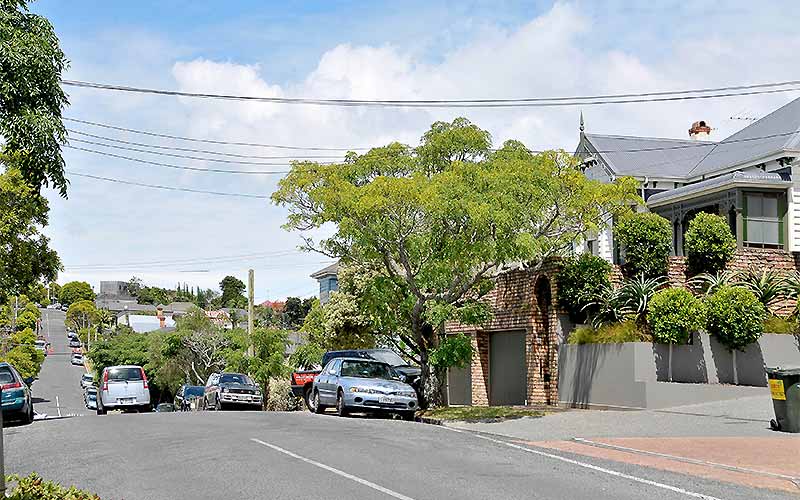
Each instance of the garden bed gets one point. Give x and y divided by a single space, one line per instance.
481 413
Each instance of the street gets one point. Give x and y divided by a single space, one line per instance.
299 455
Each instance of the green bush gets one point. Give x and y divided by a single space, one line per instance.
612 333
647 240
579 281
281 397
734 315
776 324
34 487
709 243
454 350
673 314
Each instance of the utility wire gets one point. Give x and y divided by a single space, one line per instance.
166 188
195 260
661 96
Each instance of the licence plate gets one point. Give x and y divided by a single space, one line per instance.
386 400
126 401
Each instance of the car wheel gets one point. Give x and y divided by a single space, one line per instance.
307 398
217 404
341 409
27 417
316 406
100 410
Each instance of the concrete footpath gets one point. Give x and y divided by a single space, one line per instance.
728 441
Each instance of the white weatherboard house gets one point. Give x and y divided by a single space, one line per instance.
752 178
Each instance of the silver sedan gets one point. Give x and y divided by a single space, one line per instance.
362 385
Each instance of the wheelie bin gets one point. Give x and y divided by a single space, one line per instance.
784 386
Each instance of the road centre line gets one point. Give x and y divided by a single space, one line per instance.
677 458
357 479
588 465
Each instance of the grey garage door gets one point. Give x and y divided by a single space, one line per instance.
459 385
507 372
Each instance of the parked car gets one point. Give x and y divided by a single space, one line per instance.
303 380
226 389
77 359
41 345
123 387
87 380
186 394
16 403
75 343
64 308
362 385
165 408
90 397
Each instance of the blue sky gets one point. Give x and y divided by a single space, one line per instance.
350 49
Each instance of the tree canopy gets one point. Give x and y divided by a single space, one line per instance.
439 221
75 291
232 292
31 97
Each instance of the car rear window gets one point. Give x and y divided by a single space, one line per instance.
127 373
235 378
6 377
196 390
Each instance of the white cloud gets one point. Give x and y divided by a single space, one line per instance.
561 52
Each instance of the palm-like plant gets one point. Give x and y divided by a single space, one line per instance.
607 307
792 285
708 283
767 285
636 294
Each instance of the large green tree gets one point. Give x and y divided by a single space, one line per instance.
31 97
439 221
232 292
25 255
75 291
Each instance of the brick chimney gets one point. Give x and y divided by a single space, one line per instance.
700 131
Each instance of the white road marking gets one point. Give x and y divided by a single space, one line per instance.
589 466
58 407
334 470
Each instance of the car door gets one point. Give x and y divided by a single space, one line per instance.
212 387
327 386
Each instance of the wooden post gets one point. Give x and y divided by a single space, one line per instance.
250 299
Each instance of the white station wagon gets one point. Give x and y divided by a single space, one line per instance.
123 388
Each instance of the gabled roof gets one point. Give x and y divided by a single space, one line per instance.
770 137
331 270
649 156
774 134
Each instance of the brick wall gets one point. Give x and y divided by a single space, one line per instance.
515 307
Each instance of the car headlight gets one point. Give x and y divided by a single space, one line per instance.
407 394
258 393
224 389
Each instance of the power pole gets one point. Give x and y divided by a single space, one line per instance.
250 298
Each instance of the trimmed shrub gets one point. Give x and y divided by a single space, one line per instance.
734 315
579 281
33 486
673 314
709 243
647 239
612 333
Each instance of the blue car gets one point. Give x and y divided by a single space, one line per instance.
17 402
363 385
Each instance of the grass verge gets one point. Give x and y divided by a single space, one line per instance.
480 413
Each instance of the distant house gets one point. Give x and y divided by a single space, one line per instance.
121 306
177 307
146 323
328 281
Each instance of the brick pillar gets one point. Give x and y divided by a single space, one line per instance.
480 369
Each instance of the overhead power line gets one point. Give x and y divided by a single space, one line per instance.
166 188
660 96
196 260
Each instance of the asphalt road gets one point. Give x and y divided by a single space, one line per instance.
244 455
57 391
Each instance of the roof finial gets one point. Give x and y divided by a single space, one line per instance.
582 127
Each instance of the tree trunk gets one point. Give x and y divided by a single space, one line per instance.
264 394
433 380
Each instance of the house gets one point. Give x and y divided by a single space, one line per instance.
328 281
751 177
176 308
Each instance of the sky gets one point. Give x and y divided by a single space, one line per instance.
359 50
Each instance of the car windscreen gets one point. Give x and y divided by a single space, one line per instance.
235 378
195 390
366 369
387 357
87 376
125 373
6 377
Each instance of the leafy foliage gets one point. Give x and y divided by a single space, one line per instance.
436 223
579 280
33 487
307 356
707 283
22 354
295 310
734 315
607 306
232 292
767 285
25 254
630 301
637 292
75 291
709 243
268 362
611 333
31 97
776 324
454 351
647 240
82 314
673 314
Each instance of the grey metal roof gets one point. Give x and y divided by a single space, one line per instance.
773 134
649 156
331 270
120 305
733 178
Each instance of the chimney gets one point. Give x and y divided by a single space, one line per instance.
699 131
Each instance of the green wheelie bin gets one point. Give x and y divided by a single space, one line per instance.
784 386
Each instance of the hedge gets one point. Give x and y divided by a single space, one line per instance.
735 316
709 244
579 281
673 314
647 239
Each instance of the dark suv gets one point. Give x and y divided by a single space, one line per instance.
185 395
228 389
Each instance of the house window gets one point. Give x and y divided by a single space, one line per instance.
763 219
591 246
